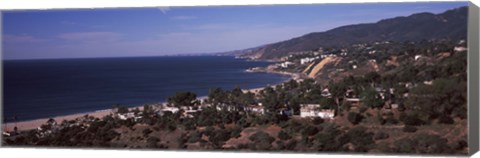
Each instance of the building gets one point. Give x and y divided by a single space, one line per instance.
255 109
327 114
313 110
286 64
307 60
286 112
309 110
326 93
417 57
459 49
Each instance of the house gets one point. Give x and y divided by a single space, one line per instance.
129 115
286 111
313 110
255 109
417 57
306 60
459 49
171 109
354 102
286 64
327 114
189 113
428 82
394 106
350 93
309 110
326 93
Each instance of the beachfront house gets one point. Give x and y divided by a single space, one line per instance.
129 115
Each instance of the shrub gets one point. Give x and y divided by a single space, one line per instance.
280 145
146 132
380 136
445 119
194 137
291 145
317 120
236 132
411 120
209 131
262 141
152 142
283 135
309 131
219 136
410 129
354 117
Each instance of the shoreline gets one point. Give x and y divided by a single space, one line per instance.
35 123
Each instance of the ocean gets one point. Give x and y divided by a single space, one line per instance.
34 89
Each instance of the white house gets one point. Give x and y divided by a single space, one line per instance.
459 49
417 57
326 93
313 110
306 60
129 115
326 114
286 64
255 109
309 110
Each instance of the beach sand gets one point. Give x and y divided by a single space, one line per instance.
33 124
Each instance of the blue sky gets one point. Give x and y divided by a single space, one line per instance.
38 34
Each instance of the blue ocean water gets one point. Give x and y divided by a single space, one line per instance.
45 88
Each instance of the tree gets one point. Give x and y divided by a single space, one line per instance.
122 109
327 103
372 77
371 98
337 90
183 99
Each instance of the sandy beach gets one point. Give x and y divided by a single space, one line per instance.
33 124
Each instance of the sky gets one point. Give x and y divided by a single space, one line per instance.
125 32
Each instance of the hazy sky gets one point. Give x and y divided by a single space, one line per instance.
180 30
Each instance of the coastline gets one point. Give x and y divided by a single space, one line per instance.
33 124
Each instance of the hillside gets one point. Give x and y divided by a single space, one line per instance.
421 26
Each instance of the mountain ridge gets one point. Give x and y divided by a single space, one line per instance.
415 27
